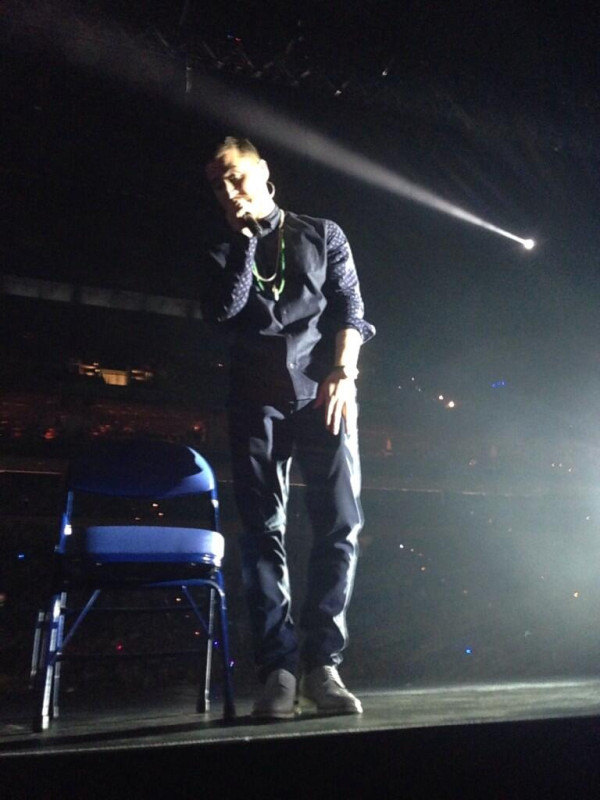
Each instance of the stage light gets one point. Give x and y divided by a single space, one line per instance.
74 36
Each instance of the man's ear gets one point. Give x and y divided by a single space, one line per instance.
264 167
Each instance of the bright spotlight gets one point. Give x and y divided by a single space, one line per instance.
79 38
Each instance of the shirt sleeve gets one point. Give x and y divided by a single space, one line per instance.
226 279
346 298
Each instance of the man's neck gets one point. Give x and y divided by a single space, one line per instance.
268 209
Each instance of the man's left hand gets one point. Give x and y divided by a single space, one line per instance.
338 397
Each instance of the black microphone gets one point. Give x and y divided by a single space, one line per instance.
252 224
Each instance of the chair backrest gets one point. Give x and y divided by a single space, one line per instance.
140 468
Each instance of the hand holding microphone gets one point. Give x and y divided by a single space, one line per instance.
242 221
251 224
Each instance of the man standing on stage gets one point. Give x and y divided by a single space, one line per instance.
287 285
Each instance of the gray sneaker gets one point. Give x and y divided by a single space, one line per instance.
278 696
323 690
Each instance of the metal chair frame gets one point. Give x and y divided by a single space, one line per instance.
52 635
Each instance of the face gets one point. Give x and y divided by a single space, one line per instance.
239 182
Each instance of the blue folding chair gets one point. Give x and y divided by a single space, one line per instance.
139 555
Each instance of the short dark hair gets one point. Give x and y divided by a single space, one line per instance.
244 146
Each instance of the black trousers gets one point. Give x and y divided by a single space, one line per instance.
263 440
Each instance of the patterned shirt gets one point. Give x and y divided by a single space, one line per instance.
286 293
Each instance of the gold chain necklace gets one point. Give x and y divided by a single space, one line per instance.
279 265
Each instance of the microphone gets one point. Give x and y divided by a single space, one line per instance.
252 224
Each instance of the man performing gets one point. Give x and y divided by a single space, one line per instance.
287 285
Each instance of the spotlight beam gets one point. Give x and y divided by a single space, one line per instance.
301 139
94 44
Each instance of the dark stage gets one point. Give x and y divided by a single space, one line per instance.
508 740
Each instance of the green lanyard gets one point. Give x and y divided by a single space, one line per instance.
279 267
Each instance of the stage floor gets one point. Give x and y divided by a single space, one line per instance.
171 722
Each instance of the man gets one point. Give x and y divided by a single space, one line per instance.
287 285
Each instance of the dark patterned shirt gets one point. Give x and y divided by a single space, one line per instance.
284 344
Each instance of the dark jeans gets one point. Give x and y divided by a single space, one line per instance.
263 440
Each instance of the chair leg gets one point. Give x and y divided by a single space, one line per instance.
52 642
60 631
228 702
37 650
46 680
203 704
38 682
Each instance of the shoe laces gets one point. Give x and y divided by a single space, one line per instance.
332 674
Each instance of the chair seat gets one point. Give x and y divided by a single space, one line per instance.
143 544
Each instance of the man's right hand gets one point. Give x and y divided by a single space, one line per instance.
236 218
